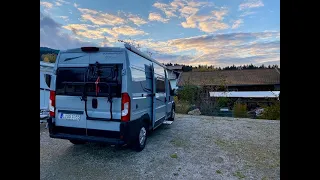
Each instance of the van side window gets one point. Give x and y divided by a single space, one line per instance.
160 85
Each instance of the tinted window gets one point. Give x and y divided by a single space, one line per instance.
160 85
83 74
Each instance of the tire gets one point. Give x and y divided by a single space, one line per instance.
76 142
173 114
141 138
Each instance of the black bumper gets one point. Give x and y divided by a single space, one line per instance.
112 141
127 134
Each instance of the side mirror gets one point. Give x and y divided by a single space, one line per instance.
172 92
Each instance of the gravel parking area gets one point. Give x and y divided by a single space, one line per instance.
193 147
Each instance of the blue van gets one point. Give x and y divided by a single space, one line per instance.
108 94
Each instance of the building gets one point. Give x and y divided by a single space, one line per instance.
234 80
177 68
250 85
174 73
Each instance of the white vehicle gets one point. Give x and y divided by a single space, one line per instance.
46 70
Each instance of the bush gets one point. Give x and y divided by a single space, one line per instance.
271 112
182 106
189 93
222 102
240 110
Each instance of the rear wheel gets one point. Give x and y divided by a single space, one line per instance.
77 142
141 139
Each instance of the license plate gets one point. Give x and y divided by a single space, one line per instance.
73 117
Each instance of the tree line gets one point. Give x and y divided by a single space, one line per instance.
186 68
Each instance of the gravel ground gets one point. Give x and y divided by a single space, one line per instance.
193 147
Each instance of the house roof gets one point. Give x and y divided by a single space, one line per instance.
231 77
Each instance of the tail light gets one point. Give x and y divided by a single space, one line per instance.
125 107
52 103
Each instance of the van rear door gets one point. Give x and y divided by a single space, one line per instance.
69 105
107 114
92 94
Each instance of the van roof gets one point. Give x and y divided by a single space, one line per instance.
101 49
117 49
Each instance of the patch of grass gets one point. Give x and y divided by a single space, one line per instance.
218 172
264 178
178 142
220 142
174 155
239 175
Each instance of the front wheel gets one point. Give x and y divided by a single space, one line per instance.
173 114
141 139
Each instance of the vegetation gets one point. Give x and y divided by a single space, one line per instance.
48 54
51 58
203 68
271 112
174 155
182 107
239 175
240 110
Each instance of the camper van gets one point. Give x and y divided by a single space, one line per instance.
114 95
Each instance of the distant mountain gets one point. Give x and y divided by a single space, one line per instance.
46 50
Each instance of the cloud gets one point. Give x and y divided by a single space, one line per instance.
219 50
128 31
166 8
181 8
188 11
100 18
75 5
66 18
94 32
58 4
248 4
237 24
219 15
157 17
136 19
63 2
46 4
51 35
247 13
205 22
212 26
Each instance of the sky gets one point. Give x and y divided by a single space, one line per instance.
207 32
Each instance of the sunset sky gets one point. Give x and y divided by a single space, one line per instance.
216 32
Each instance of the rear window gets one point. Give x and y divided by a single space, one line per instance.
67 79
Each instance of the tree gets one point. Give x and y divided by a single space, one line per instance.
51 58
